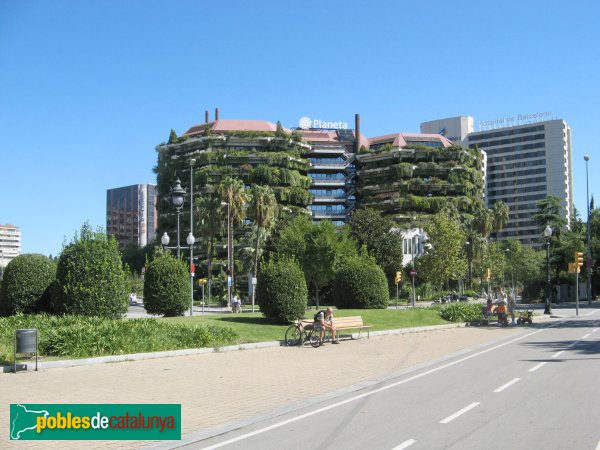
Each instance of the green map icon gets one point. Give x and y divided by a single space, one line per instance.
23 419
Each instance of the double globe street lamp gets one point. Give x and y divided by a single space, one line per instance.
177 194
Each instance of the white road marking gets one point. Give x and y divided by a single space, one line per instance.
367 394
556 355
405 444
598 446
592 312
594 330
533 369
586 336
507 385
459 413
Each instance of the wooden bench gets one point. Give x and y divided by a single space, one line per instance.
349 323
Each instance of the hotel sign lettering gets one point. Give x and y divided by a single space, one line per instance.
519 119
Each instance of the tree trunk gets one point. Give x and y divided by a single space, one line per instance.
316 295
210 255
255 271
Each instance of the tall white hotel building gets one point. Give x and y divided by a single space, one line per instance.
526 162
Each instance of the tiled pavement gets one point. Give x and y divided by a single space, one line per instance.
217 388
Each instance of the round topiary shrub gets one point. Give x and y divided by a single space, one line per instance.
281 291
26 285
166 285
360 283
90 279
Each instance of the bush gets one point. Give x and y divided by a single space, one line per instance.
166 286
26 285
82 337
90 279
360 283
461 312
281 291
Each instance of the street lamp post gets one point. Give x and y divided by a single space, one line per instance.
191 239
589 242
229 255
547 235
177 199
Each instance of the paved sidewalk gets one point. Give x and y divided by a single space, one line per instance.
218 388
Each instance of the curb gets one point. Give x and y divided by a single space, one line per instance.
199 351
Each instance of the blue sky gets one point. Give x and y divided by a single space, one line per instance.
89 88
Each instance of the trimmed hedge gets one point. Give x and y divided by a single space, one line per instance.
360 283
166 285
90 279
281 291
26 284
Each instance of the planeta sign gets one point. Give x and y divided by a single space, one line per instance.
307 123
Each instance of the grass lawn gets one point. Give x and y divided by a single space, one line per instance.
253 327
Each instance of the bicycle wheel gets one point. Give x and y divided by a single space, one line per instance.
315 338
293 336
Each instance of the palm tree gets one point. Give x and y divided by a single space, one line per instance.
233 192
482 225
208 213
262 209
483 221
499 216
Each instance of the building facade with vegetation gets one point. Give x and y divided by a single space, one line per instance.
412 176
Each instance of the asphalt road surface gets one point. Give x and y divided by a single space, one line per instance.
538 390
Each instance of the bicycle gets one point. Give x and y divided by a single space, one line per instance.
301 332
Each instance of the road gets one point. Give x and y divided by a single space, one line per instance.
538 389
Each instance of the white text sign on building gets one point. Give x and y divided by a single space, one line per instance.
519 119
307 123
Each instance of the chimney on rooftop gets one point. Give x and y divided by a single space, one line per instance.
206 116
216 113
356 133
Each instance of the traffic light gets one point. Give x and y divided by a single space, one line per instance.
579 259
398 277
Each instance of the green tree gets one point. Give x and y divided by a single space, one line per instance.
360 283
173 137
500 216
166 285
282 293
443 259
495 259
318 248
135 258
209 214
549 212
90 279
383 241
261 210
233 192
280 132
25 287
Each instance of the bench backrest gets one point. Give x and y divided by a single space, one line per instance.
348 322
343 322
